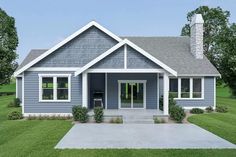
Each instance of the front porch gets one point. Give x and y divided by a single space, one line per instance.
127 93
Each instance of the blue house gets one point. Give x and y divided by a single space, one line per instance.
93 67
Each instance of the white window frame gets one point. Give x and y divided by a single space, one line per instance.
191 88
132 81
54 76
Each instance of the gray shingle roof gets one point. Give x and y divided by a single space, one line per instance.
175 52
34 53
172 51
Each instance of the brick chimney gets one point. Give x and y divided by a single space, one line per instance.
196 37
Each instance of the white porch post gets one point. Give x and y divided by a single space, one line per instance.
166 94
84 89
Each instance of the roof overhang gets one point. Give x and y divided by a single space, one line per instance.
54 48
129 43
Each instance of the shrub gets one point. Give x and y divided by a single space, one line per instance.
15 115
177 113
116 120
221 109
209 109
98 114
196 111
80 114
15 103
172 102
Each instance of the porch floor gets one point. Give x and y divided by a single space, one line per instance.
132 115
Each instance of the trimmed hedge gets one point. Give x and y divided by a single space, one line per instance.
209 109
177 113
14 115
98 114
196 111
80 114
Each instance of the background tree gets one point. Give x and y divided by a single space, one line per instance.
215 21
8 44
226 45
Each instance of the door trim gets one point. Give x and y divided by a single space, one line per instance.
132 81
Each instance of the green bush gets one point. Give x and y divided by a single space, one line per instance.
14 103
15 115
172 102
80 114
209 109
177 113
117 120
196 111
221 109
159 120
98 114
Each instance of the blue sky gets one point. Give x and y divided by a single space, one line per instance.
43 23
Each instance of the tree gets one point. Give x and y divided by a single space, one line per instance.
215 21
8 45
226 45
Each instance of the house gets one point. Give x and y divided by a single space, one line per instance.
127 72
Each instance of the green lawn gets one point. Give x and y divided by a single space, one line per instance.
8 88
26 138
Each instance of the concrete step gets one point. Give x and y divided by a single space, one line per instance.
138 119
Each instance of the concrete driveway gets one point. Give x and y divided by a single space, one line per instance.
141 136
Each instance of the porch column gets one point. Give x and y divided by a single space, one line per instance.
166 94
84 89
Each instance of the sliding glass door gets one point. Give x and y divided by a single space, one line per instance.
132 94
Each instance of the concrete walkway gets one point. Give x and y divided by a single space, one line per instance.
141 136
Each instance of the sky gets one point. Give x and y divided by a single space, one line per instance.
43 23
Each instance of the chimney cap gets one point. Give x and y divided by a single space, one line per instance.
197 18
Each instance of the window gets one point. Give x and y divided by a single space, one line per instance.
54 87
47 88
174 87
62 88
197 88
185 88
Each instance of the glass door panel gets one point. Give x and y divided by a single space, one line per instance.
125 95
138 95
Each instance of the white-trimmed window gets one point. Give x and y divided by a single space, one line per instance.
54 87
187 88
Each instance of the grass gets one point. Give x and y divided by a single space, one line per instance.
8 88
37 138
221 124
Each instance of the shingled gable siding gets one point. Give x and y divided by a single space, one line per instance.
136 60
32 104
208 95
19 88
81 50
112 61
112 88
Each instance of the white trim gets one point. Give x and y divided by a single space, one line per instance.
47 114
125 71
105 90
132 81
17 88
53 69
200 107
188 98
57 46
149 56
23 94
54 76
179 87
203 87
165 94
103 55
198 75
125 57
214 107
191 88
126 41
158 91
85 89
